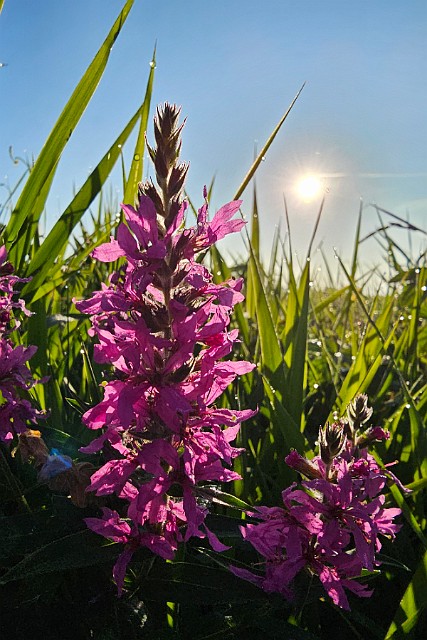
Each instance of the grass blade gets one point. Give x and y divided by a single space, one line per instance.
265 148
50 154
60 233
137 166
412 604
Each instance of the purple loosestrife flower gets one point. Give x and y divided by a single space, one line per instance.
329 526
15 411
163 326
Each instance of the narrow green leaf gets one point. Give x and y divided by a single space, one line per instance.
407 512
265 148
285 424
412 604
81 549
50 154
137 165
255 244
194 583
9 485
25 242
60 234
220 497
325 302
271 352
294 338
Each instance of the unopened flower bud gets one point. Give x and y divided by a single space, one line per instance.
303 466
331 440
358 411
373 434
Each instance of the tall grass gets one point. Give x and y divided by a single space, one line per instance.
316 346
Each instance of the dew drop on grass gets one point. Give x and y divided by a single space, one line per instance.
152 64
136 157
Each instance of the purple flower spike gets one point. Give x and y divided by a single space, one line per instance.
330 526
163 326
15 411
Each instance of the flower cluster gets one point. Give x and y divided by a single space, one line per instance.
15 377
163 325
330 525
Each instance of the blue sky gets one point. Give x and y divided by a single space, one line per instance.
234 66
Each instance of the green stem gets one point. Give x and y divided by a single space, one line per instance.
12 482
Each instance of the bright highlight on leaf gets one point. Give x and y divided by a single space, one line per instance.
309 188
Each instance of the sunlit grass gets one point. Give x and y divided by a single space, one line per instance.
316 342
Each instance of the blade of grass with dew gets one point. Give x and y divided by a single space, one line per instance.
413 603
364 367
417 428
22 250
265 148
271 352
294 336
255 243
60 233
325 302
294 340
46 163
137 165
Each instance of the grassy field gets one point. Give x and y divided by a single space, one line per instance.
316 344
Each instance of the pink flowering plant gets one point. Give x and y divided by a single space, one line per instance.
331 523
16 410
162 325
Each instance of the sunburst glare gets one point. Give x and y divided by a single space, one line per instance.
309 187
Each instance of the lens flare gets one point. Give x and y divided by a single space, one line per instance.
309 188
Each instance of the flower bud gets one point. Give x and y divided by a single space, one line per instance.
302 465
358 411
373 434
331 440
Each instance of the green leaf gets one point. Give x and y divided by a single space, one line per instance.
196 584
294 339
46 163
412 604
137 165
59 235
265 148
81 549
220 497
271 352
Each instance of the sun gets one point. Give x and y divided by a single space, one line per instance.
309 187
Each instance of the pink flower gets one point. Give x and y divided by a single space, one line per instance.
15 376
329 526
162 326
